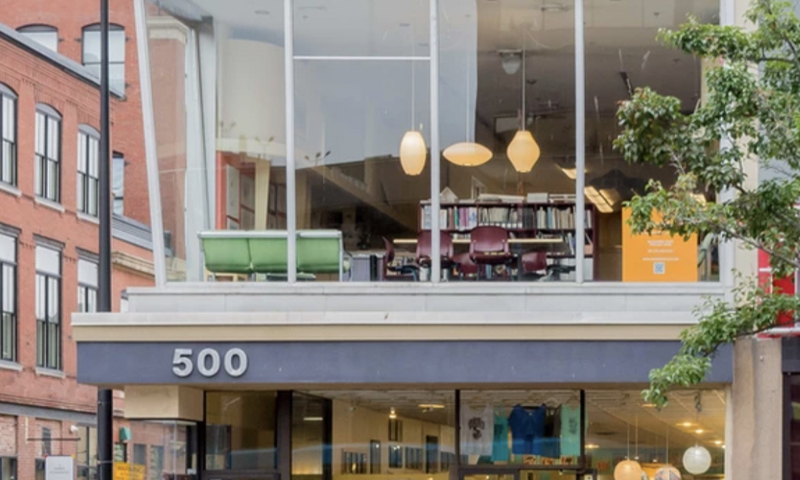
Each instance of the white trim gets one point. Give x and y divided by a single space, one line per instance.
88 218
291 183
151 152
10 189
48 203
436 260
361 58
6 365
580 142
49 372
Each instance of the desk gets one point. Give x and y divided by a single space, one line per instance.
511 241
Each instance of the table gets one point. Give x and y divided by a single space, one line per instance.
511 241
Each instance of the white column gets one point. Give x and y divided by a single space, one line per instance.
436 261
580 143
291 186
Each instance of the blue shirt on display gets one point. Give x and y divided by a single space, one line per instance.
526 426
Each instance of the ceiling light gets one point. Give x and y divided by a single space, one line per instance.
392 413
717 442
433 406
467 154
511 61
598 200
699 431
523 151
413 152
685 424
312 419
592 446
649 405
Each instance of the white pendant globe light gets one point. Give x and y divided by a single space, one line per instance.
466 153
628 470
413 150
523 151
667 473
413 153
697 460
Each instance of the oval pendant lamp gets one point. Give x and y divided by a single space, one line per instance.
413 153
697 460
467 154
413 150
523 151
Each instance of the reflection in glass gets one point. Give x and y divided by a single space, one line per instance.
240 430
164 450
622 54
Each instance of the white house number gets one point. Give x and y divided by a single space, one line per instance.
208 362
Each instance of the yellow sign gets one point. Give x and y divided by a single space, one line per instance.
126 471
659 257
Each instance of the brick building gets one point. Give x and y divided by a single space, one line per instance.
49 243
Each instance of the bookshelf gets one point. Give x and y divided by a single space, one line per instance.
522 220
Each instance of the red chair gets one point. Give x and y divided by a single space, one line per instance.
401 272
534 265
465 267
424 249
488 246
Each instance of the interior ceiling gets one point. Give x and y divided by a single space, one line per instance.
612 414
620 36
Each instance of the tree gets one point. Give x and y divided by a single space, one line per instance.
752 111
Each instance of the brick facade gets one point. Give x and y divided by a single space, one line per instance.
22 385
128 135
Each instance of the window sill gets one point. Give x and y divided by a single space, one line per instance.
48 372
49 204
10 189
8 365
88 218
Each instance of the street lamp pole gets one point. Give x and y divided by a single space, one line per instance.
105 399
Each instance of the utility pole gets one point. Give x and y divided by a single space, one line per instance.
105 398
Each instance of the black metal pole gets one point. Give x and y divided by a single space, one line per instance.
105 399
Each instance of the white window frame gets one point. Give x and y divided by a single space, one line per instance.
44 35
92 60
8 135
48 153
49 351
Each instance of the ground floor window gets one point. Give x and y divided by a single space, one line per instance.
793 448
476 434
8 468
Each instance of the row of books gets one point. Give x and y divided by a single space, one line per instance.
465 218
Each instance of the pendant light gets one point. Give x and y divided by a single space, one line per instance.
466 153
413 150
628 469
523 151
667 472
697 459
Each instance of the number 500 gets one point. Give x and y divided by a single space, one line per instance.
208 362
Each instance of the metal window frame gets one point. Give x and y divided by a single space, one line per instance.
44 160
86 178
727 15
6 93
59 307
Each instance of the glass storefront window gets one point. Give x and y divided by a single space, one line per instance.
622 54
362 196
240 431
162 450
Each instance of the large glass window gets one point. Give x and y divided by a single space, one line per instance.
240 431
361 196
8 297
793 411
87 285
118 183
48 307
8 468
48 153
88 177
8 135
622 54
44 35
116 53
361 103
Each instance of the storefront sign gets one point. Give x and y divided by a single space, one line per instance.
208 362
126 471
59 468
658 257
